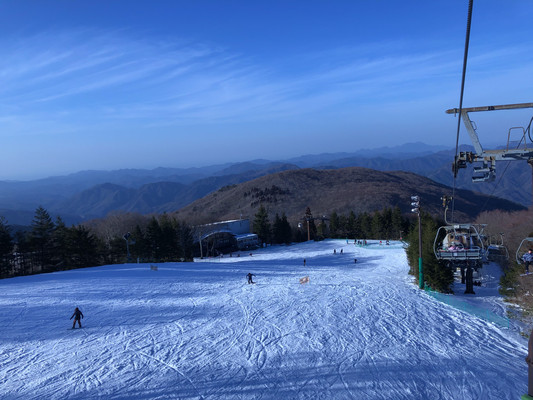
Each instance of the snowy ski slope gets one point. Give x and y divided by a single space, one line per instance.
198 331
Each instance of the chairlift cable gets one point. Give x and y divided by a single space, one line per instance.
467 41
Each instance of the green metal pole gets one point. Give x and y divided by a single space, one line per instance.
420 269
421 274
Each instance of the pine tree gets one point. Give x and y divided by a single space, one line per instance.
83 247
276 230
386 230
60 255
396 223
281 230
114 251
153 237
261 225
6 246
41 237
366 225
343 230
185 240
139 249
334 225
351 225
377 226
6 240
286 231
168 239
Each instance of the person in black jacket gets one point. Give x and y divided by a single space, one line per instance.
78 315
249 276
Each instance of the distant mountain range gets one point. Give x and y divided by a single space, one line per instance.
93 194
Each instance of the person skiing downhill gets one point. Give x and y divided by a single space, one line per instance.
249 276
77 317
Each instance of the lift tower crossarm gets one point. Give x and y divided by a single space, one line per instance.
489 157
491 108
470 127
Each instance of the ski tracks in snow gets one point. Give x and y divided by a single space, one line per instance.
193 331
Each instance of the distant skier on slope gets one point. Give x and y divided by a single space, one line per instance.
249 276
77 317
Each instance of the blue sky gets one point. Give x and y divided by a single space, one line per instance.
142 84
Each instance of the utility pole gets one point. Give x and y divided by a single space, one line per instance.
415 203
127 239
308 218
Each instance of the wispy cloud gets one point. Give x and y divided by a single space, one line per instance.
118 76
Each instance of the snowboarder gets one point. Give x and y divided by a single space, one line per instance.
249 276
77 317
528 259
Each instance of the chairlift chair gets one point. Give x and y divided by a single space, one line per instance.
497 251
462 244
525 245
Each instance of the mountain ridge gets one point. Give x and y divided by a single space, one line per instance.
81 196
343 190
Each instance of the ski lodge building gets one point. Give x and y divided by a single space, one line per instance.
224 237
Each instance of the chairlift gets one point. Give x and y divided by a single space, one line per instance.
461 243
525 245
497 251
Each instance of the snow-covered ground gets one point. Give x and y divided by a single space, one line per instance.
198 331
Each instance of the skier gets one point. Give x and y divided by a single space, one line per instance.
77 317
528 260
249 276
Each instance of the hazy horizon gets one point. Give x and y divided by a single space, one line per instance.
205 164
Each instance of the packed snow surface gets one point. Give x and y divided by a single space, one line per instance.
356 330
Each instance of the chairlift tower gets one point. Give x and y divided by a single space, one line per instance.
522 151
